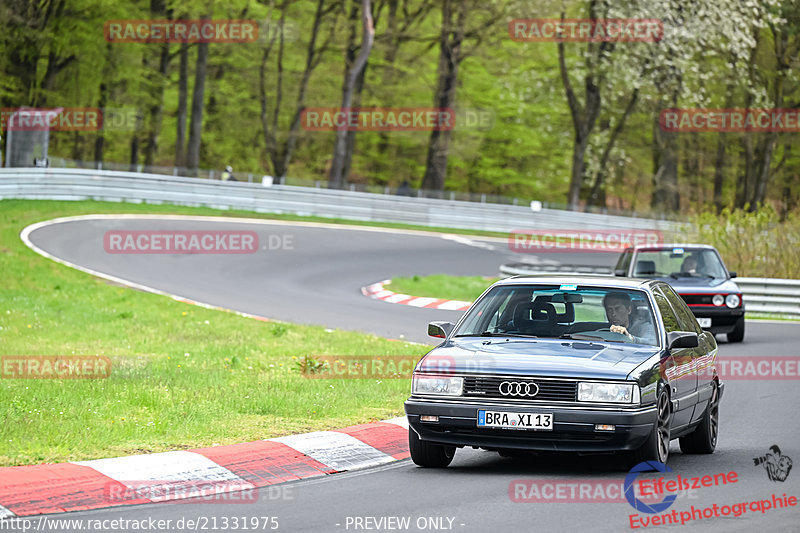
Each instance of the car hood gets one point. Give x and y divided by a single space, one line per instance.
702 285
539 357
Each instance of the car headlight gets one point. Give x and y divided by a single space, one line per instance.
608 392
733 300
441 385
718 300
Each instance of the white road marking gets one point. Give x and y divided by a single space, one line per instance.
336 450
173 474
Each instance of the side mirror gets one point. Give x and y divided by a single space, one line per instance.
682 339
733 274
440 330
619 272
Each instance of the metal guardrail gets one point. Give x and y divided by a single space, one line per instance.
761 295
766 295
108 185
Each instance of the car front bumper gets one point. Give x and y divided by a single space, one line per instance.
723 319
573 428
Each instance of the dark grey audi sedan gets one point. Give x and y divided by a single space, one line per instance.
573 364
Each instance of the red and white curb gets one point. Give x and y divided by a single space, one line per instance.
379 292
81 485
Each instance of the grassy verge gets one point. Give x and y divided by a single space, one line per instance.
466 288
182 376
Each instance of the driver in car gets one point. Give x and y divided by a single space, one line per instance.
619 310
689 265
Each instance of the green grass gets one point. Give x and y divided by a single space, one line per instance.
466 288
182 376
758 315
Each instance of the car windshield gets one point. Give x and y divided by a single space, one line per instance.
679 263
562 311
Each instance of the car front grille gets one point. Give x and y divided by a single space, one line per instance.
552 390
697 299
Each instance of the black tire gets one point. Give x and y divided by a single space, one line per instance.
704 437
427 454
656 448
737 335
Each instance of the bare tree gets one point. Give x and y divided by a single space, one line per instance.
183 97
453 34
281 156
340 164
198 97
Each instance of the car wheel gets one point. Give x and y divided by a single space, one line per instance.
656 448
737 335
427 454
704 438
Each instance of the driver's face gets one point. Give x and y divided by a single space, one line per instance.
618 313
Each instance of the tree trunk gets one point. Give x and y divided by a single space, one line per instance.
312 60
597 196
270 129
183 96
99 140
157 107
784 62
720 162
196 124
447 80
341 154
665 195
134 161
584 117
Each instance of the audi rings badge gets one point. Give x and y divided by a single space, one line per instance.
519 388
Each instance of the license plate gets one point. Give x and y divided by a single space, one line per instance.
704 322
506 420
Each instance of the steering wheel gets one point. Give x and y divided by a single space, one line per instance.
608 330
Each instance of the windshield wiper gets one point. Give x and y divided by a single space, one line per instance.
687 275
582 337
493 334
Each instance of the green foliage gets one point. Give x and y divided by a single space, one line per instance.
526 152
754 244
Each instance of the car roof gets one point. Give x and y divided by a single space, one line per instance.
599 281
667 246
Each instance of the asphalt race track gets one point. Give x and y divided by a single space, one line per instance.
318 281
